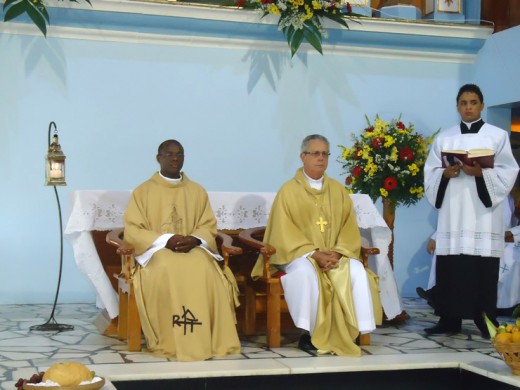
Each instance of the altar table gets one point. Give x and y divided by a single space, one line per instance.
104 210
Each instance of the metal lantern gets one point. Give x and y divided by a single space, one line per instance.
55 176
55 170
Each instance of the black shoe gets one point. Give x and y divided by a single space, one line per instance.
305 343
442 329
398 319
425 295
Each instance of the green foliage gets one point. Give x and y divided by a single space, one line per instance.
35 9
301 20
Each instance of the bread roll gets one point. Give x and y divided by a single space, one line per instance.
68 374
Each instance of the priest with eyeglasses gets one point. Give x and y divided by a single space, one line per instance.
312 225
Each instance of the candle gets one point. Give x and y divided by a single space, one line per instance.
55 173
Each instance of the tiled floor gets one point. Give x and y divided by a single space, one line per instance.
393 347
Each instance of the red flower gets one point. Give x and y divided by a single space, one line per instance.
357 171
349 8
377 142
357 156
400 125
390 183
406 154
370 129
348 180
267 1
240 3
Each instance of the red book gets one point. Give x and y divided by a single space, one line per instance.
484 157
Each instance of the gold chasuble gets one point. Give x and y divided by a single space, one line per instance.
185 301
303 219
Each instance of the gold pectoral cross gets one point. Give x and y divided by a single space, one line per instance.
322 224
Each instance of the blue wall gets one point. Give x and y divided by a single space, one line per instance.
497 68
240 111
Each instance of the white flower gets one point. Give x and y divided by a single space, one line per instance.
282 5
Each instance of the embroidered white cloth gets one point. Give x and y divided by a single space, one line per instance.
377 234
104 210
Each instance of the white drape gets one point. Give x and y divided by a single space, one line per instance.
104 210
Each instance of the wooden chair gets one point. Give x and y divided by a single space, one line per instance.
129 324
269 289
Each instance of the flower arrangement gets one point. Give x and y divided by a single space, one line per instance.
302 19
387 161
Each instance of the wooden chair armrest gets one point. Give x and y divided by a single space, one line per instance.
247 236
226 247
365 252
115 238
227 244
370 251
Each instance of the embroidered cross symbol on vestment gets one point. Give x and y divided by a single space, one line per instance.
322 224
187 319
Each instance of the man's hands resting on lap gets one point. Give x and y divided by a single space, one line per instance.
326 259
182 244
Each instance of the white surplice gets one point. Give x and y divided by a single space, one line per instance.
465 225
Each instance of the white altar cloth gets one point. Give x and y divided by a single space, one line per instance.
104 210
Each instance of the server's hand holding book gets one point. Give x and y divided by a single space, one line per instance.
484 157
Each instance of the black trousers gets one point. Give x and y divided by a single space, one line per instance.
466 286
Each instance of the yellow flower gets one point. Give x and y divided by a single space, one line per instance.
414 169
384 193
389 141
346 153
394 154
365 154
371 169
418 191
370 134
316 5
380 125
309 12
273 9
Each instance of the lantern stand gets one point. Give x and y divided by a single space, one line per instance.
55 176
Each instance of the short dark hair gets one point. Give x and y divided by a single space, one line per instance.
311 137
167 142
470 88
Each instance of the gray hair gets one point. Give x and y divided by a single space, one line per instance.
312 137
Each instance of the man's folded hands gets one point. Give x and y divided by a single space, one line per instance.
182 244
326 259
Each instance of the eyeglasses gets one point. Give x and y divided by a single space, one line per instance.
170 155
318 154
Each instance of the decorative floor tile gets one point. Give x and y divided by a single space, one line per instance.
23 352
290 352
381 350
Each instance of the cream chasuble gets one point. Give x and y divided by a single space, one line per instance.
296 227
186 302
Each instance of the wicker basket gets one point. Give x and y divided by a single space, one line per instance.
510 352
